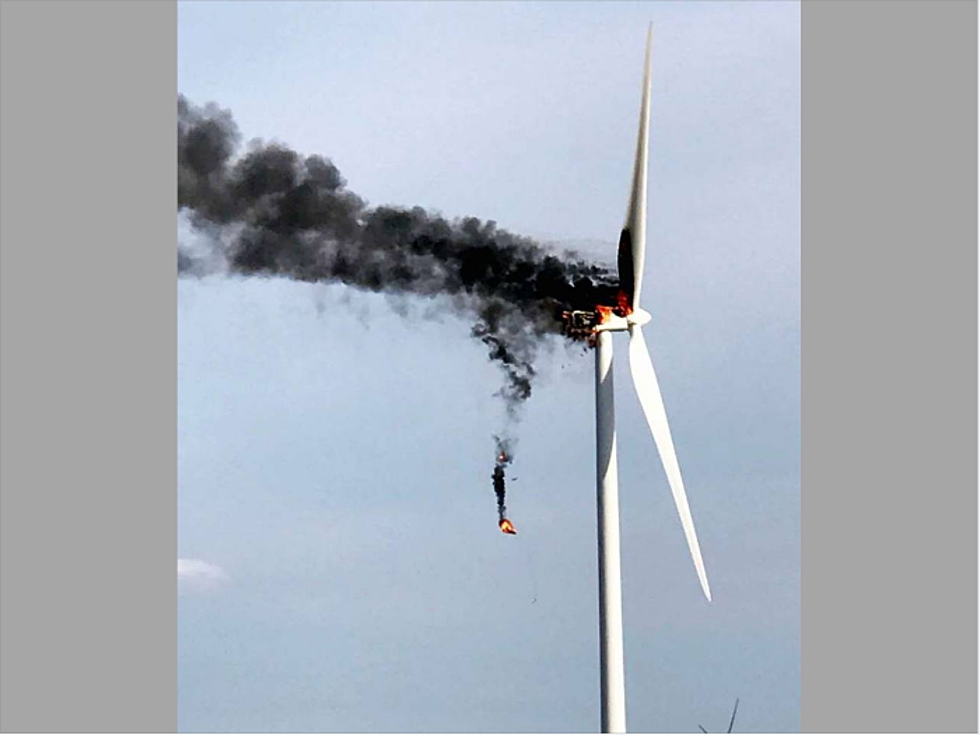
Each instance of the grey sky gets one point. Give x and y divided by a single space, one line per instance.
334 457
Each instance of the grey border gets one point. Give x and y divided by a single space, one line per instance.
88 542
87 469
890 243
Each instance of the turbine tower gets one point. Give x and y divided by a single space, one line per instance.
628 317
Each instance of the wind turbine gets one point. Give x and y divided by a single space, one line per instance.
628 317
731 722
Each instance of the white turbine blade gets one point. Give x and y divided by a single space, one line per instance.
632 240
648 391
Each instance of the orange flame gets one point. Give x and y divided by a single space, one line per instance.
604 313
623 306
507 527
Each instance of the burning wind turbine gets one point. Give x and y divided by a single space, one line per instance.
273 212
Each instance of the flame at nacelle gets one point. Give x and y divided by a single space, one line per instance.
507 527
583 325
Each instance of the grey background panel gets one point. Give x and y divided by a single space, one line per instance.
890 251
88 473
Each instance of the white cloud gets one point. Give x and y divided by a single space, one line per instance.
199 574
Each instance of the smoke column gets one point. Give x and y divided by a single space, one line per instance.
270 211
273 212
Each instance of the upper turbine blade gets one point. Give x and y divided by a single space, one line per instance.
648 391
632 240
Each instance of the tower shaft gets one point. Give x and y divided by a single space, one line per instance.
612 679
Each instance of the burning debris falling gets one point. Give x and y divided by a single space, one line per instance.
504 457
274 212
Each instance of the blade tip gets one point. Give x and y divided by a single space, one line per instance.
706 589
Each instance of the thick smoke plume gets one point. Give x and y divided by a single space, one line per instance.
271 211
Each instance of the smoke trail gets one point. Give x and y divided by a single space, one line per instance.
271 211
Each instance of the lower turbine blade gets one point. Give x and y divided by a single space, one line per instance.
648 391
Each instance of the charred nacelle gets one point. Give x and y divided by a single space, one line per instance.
580 324
583 325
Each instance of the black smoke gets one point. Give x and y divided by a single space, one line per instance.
270 211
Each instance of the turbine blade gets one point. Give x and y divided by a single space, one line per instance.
632 240
703 730
732 723
648 391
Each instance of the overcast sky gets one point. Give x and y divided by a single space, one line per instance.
341 569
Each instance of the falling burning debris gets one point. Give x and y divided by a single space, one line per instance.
504 457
